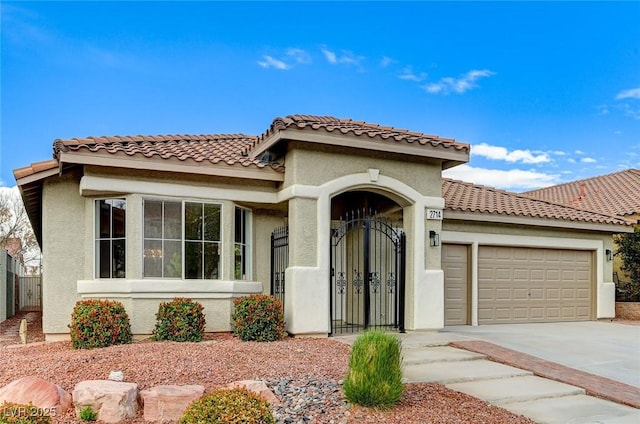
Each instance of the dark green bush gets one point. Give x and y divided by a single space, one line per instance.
375 371
180 320
99 323
258 318
229 406
13 413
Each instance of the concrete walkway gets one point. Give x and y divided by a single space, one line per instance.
428 357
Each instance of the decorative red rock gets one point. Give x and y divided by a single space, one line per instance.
168 403
43 394
258 387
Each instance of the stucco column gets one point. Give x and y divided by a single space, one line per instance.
306 294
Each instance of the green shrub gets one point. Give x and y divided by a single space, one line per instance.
87 414
99 323
13 413
180 320
258 318
229 406
375 370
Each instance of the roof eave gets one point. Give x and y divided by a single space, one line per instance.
166 165
537 221
450 155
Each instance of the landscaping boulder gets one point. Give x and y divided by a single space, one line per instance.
258 387
113 401
168 403
43 394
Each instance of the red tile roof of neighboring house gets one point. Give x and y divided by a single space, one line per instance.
359 128
468 197
614 194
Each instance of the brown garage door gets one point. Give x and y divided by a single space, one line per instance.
456 284
533 285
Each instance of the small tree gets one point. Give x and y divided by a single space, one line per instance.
14 224
629 251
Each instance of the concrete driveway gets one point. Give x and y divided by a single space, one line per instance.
603 348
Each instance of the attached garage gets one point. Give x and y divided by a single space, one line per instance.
517 284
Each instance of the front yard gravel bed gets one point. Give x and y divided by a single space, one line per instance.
305 374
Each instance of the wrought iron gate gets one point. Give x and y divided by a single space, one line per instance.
279 261
367 274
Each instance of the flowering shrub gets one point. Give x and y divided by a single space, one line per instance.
229 406
99 323
180 320
258 318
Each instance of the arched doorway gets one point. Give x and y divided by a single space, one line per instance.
367 263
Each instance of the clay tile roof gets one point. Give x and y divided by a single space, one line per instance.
346 126
612 194
34 168
468 197
229 149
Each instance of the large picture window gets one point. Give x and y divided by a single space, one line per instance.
181 240
242 260
110 238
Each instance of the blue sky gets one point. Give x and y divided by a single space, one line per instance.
544 92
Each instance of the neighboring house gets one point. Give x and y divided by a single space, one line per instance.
613 194
350 223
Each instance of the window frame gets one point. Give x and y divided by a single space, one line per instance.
183 241
247 232
97 238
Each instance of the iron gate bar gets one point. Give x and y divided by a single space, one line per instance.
279 261
367 273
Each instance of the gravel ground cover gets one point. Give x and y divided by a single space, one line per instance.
305 374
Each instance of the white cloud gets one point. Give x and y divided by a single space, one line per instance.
633 93
270 62
501 153
409 75
630 111
513 179
299 55
386 61
458 85
329 55
571 160
559 153
346 57
579 152
588 160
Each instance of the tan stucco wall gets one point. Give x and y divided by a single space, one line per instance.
315 165
64 240
303 233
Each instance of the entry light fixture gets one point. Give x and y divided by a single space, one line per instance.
434 238
608 254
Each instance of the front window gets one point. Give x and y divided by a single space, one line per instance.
241 246
110 238
181 240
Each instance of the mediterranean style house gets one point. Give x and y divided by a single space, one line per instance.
350 223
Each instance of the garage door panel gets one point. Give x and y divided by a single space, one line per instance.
456 283
533 285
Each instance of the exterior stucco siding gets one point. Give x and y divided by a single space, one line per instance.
316 166
64 258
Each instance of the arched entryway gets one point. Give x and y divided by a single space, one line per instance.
367 262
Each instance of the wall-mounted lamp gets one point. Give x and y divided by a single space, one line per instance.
434 238
608 254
